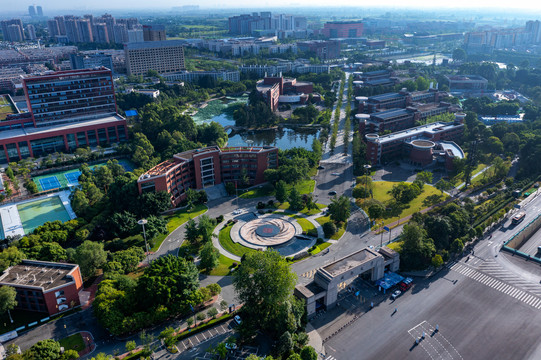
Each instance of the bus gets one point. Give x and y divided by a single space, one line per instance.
518 218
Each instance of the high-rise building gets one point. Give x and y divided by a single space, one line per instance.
31 30
71 30
120 33
135 35
61 24
84 29
154 33
162 56
265 22
12 34
39 10
66 109
100 33
52 26
31 10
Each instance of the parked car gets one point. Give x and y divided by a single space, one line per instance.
321 167
238 320
405 284
396 294
231 346
335 174
332 192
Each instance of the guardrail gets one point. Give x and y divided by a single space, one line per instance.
521 237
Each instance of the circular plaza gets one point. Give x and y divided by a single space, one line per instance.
271 230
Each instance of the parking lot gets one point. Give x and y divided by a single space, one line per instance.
198 339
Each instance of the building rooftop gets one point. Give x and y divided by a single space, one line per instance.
153 44
417 131
14 133
388 114
349 262
38 274
453 148
467 78
385 96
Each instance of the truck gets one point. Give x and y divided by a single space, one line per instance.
405 284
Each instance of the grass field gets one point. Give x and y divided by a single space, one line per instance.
304 187
396 246
175 220
227 243
223 266
73 342
325 219
320 248
381 192
306 225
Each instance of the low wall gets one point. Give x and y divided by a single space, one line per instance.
512 245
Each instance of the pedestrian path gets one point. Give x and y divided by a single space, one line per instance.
433 342
500 285
493 268
330 358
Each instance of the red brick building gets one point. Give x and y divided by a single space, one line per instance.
343 29
44 286
277 90
66 110
209 166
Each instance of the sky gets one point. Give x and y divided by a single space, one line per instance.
534 5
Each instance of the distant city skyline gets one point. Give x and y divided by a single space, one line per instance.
56 5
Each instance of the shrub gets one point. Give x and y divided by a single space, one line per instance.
270 203
260 205
319 241
219 219
212 313
361 192
329 229
201 316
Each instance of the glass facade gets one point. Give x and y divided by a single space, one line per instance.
72 144
92 141
3 158
12 151
23 148
81 138
47 146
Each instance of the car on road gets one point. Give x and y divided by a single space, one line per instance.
396 294
335 174
238 320
236 212
321 167
231 346
332 192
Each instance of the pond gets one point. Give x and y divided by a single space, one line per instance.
284 138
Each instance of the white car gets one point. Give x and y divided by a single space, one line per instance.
236 212
335 174
396 294
238 320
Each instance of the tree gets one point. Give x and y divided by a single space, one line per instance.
8 299
294 357
129 259
191 197
212 312
230 188
90 256
308 353
376 211
264 283
192 232
340 209
209 257
295 200
425 177
417 249
44 350
70 354
9 257
281 191
329 229
437 261
205 228
154 203
459 54
102 356
130 345
443 185
172 281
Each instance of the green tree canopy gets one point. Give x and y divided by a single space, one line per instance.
340 208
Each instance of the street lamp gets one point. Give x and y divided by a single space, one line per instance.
142 222
367 171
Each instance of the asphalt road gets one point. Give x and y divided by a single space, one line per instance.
475 321
326 182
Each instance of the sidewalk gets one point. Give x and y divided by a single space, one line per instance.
90 345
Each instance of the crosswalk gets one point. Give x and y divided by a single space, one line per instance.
497 284
309 274
493 268
330 358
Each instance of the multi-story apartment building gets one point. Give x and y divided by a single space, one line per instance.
44 286
154 33
343 29
197 169
66 109
420 144
163 56
12 29
31 30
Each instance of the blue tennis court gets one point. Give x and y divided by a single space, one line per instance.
49 183
72 177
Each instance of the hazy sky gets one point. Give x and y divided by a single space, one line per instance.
534 5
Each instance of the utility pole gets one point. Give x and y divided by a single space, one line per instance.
142 222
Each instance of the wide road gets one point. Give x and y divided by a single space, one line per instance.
475 320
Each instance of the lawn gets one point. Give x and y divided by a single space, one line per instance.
306 225
305 211
325 219
73 342
175 220
223 266
319 248
227 243
396 246
381 192
304 187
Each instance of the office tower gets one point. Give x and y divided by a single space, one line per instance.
162 56
91 61
154 32
32 11
39 10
